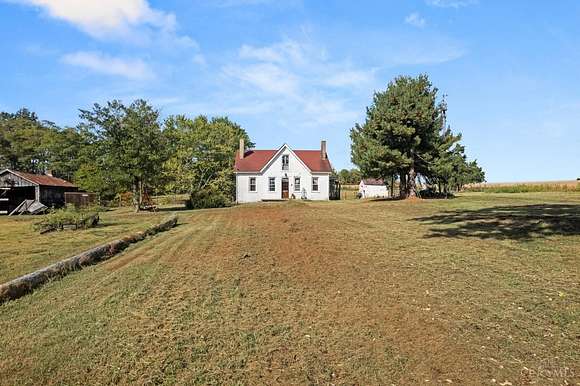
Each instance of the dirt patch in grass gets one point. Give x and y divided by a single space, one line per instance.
310 293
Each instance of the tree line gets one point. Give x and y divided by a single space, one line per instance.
116 148
349 177
405 137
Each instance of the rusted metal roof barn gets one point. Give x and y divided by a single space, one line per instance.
16 187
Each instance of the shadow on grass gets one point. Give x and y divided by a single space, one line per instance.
383 199
175 208
398 198
507 222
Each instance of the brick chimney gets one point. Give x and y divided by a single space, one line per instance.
323 149
242 150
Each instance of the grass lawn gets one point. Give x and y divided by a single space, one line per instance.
481 289
24 250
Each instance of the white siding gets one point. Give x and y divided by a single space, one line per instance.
243 193
370 191
295 169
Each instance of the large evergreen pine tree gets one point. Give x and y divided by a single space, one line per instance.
405 135
400 133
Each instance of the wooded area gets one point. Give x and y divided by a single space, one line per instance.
117 148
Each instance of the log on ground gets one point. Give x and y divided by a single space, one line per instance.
27 283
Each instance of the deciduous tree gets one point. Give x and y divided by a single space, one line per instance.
202 156
130 145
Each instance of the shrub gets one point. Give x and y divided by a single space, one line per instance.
432 193
123 199
171 199
207 199
68 218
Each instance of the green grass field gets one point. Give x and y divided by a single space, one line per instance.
25 250
480 289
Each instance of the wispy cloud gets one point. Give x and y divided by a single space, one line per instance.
298 81
268 54
418 55
267 77
415 20
199 59
287 51
292 67
451 3
132 69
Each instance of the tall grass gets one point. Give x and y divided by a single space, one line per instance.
525 188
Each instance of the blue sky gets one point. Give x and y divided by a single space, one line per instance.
300 71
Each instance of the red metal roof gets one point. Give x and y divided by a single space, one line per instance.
44 180
313 160
255 160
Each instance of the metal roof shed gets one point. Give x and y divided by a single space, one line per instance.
15 187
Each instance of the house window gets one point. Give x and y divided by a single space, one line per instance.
272 184
296 184
315 184
252 184
285 161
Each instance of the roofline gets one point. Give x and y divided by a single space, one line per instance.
36 183
19 175
248 172
278 152
260 173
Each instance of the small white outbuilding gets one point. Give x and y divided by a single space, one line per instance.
373 188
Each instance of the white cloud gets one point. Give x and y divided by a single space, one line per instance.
267 77
298 82
293 68
451 3
268 54
101 18
288 51
415 20
134 21
133 69
322 111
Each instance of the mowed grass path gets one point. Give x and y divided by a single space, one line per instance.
480 289
23 250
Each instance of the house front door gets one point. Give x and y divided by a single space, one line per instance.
285 188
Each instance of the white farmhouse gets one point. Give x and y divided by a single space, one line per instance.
372 188
264 175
